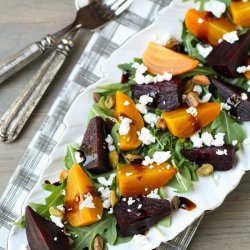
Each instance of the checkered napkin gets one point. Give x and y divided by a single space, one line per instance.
85 73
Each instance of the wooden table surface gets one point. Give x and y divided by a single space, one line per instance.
22 22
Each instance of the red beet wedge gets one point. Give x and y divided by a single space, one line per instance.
95 148
213 156
236 97
141 215
167 94
227 57
43 234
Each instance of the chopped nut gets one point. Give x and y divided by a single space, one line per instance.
63 175
96 97
173 44
175 203
189 87
113 158
205 170
98 243
113 198
161 124
56 212
201 80
133 157
110 101
192 99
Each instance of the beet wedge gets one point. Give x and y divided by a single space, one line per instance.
141 215
236 97
213 156
167 94
227 57
43 234
95 148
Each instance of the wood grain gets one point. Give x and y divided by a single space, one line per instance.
22 22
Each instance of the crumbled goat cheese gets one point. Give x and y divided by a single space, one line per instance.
204 50
198 89
154 194
130 201
200 20
106 182
55 238
126 103
111 211
109 140
57 220
139 206
105 196
141 108
234 142
125 126
246 141
231 37
129 210
78 157
207 139
216 7
225 106
196 140
145 136
219 140
140 241
63 192
244 96
165 77
243 69
87 203
145 99
206 98
151 118
221 152
159 157
192 111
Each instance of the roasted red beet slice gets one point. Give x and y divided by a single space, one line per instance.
233 96
211 156
227 57
44 234
167 94
95 148
141 215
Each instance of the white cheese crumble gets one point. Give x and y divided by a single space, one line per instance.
221 152
130 201
225 106
109 140
126 103
192 111
78 157
151 118
145 136
125 126
105 196
243 69
159 157
216 7
87 203
154 194
234 142
244 96
198 89
231 37
141 108
219 140
139 206
145 99
57 220
207 139
106 182
204 50
55 238
200 20
196 140
140 241
165 77
206 98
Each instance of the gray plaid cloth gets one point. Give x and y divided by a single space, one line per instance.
85 73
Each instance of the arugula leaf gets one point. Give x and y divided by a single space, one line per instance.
70 158
84 236
166 222
204 70
53 200
228 125
111 89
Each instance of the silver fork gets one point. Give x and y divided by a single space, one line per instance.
91 17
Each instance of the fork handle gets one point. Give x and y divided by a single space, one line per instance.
22 58
17 115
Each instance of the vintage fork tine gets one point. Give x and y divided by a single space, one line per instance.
123 7
116 5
